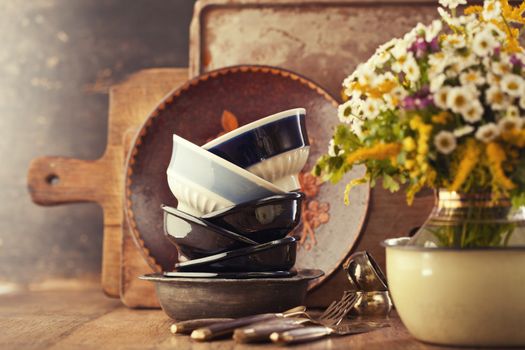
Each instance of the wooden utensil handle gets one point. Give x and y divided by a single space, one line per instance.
300 335
59 180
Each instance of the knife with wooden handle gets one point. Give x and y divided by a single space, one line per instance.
226 328
260 332
304 334
186 327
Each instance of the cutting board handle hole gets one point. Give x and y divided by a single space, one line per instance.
52 179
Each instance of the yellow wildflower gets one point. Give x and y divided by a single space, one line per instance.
441 118
381 151
466 165
496 156
474 9
409 144
514 137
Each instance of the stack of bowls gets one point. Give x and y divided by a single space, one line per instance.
238 198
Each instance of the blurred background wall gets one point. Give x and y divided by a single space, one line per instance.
57 61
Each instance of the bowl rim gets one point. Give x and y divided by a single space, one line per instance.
231 254
293 112
214 228
250 177
230 275
302 275
400 243
293 195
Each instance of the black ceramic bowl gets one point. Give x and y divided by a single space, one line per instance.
262 220
272 256
195 238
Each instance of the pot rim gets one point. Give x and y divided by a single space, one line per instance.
401 243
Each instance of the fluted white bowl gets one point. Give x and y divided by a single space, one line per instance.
203 182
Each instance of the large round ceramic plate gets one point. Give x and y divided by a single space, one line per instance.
220 101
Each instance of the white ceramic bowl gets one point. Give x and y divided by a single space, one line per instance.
203 182
459 297
275 148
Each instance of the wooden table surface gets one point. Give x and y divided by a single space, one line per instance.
86 319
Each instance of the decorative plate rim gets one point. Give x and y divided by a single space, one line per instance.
166 101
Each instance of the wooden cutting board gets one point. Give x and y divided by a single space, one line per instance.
101 180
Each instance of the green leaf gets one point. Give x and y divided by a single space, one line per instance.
389 183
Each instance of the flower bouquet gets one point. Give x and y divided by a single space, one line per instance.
443 107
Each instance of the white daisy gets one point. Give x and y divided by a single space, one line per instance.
437 82
459 98
463 131
357 127
344 112
433 30
411 69
395 96
441 96
445 142
487 132
496 98
510 123
501 67
491 9
473 112
471 77
452 4
493 79
512 85
454 42
512 112
371 108
331 149
484 43
365 74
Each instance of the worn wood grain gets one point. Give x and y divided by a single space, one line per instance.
89 320
57 180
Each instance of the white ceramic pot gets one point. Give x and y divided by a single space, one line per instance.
460 297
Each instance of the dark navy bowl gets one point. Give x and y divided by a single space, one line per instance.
272 256
262 220
195 238
262 139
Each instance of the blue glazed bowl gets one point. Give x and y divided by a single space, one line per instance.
203 182
262 220
274 148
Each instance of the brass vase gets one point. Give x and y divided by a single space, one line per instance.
472 221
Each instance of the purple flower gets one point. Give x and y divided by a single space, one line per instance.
419 48
434 45
516 61
420 100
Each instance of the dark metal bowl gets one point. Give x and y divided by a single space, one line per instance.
262 220
195 238
272 256
191 298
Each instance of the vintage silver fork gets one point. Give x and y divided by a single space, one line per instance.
309 333
336 311
332 316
